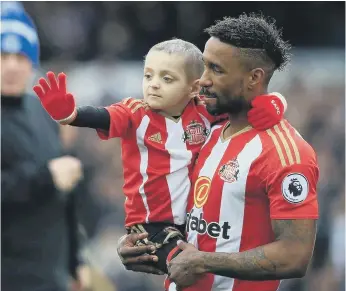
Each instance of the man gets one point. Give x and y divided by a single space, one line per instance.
252 212
36 178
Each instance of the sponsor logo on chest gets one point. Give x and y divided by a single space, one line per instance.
212 229
201 191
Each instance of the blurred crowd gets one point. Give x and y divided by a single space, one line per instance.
100 46
83 31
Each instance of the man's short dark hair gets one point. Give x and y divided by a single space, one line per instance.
258 40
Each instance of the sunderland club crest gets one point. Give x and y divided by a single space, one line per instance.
229 172
195 133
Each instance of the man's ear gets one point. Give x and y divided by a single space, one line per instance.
256 76
195 89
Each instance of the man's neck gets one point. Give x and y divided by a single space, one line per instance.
237 123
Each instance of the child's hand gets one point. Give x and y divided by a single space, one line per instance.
267 110
59 104
137 258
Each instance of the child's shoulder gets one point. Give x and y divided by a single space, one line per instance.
131 108
134 105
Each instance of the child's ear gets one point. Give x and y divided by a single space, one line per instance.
195 89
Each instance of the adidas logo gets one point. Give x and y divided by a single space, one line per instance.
156 137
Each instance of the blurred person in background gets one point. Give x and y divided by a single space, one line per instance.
36 177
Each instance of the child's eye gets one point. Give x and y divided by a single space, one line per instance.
147 76
167 79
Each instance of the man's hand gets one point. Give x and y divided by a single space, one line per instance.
59 104
267 110
186 268
66 172
137 258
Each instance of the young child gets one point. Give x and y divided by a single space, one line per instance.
161 136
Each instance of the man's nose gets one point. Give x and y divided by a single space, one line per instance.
205 81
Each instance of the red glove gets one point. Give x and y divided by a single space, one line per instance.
267 110
59 104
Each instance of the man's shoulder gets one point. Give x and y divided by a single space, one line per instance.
284 144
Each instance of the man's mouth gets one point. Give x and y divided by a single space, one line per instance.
210 101
208 94
210 97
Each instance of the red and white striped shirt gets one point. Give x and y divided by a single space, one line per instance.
158 154
239 185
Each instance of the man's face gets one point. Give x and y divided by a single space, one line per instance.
224 80
16 72
165 84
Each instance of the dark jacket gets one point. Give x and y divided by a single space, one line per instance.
34 232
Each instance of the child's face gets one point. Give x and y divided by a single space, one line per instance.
165 84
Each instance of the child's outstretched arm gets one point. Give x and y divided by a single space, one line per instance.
61 106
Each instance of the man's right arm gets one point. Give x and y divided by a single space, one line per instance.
287 257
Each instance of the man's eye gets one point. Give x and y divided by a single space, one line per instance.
216 69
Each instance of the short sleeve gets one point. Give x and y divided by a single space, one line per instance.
292 192
123 118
